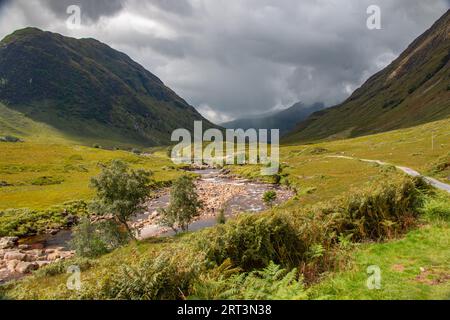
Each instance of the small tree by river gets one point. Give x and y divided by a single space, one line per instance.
121 192
184 205
269 198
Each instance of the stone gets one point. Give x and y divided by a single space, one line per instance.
15 255
11 265
54 256
24 247
31 257
42 258
8 242
37 246
36 252
26 267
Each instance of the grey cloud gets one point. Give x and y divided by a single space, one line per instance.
91 10
239 57
180 7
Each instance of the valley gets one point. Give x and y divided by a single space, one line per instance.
315 173
92 189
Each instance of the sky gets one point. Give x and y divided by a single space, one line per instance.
234 58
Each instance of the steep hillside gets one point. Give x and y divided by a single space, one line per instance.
284 120
412 90
86 89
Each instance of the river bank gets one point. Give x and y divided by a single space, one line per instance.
217 189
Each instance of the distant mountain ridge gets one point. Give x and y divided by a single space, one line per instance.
413 89
284 120
85 88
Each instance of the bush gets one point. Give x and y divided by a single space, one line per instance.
318 150
169 152
269 197
252 241
440 165
376 213
61 267
76 157
221 219
10 139
47 181
26 222
4 184
95 239
437 208
271 283
167 277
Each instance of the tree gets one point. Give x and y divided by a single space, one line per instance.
183 207
121 191
92 239
269 197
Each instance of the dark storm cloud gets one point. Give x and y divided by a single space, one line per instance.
237 57
2 2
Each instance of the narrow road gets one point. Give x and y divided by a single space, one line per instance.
413 173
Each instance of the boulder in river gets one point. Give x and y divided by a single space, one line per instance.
8 242
15 255
11 265
26 267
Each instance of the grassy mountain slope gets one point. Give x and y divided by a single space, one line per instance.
86 89
284 120
413 89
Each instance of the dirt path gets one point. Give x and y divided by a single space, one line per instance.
411 172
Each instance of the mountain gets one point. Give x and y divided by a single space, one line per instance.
413 89
284 120
85 89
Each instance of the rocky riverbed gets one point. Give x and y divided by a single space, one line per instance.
17 260
216 188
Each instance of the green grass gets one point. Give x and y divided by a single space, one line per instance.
407 147
318 177
400 263
40 175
